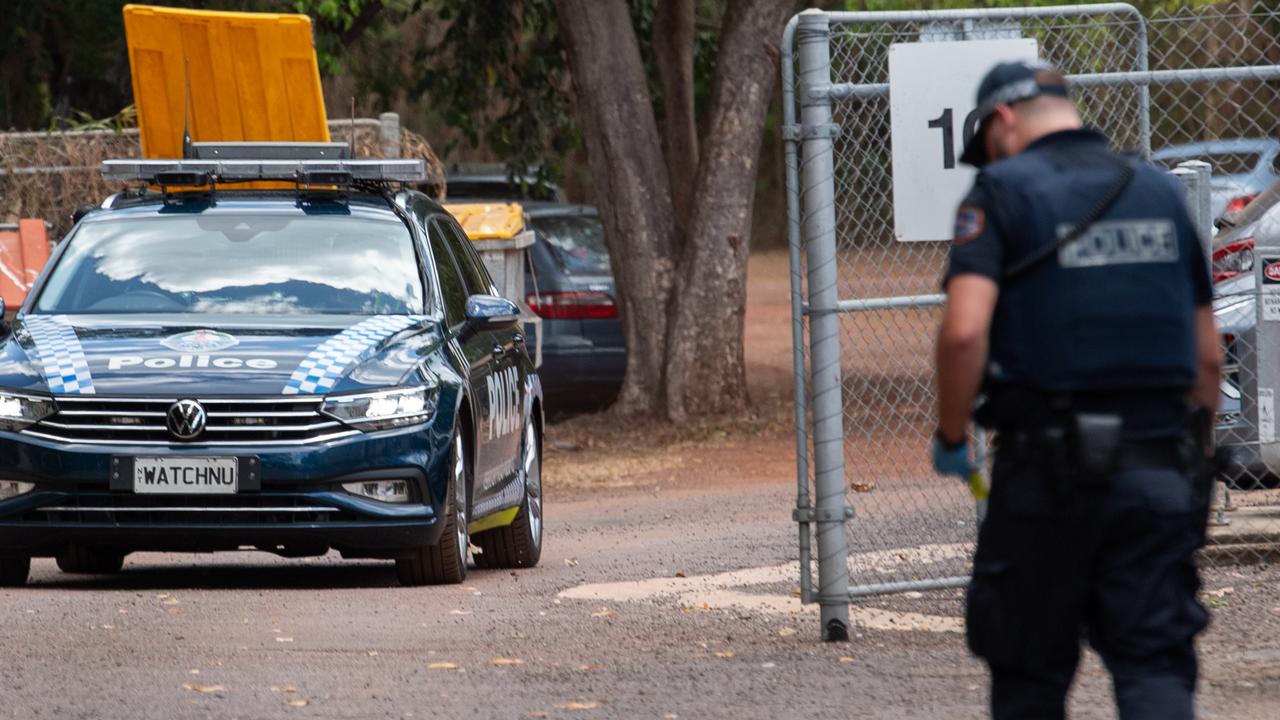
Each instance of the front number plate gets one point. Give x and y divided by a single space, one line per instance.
185 475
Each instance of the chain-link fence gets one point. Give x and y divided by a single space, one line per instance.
1199 84
48 174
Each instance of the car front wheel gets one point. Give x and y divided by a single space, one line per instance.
14 571
445 562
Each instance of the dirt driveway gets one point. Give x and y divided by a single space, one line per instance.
666 590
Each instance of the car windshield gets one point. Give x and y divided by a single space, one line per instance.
260 264
1223 163
576 242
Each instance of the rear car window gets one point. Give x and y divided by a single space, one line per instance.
576 243
227 264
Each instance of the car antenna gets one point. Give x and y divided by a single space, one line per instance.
186 109
353 127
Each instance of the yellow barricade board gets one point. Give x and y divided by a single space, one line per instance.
488 221
253 77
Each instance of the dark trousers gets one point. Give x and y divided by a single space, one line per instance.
1113 562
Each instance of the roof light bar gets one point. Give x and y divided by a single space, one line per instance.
308 171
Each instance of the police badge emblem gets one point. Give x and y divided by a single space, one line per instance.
200 341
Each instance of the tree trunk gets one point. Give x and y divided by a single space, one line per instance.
630 182
705 369
672 44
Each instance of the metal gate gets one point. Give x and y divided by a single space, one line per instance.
865 306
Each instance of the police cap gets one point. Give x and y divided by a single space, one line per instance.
1008 83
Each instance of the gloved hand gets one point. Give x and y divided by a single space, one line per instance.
949 459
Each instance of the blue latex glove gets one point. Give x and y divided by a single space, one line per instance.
951 459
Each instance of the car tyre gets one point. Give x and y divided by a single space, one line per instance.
82 560
519 545
445 562
14 571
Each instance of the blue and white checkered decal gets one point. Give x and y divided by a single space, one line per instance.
65 368
321 368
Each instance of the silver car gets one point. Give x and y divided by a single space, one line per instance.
1242 167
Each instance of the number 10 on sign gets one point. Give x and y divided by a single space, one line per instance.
932 89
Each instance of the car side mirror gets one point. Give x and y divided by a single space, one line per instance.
490 312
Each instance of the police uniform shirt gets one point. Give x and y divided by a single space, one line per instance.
1048 183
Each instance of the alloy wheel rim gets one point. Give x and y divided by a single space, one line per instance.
533 484
460 499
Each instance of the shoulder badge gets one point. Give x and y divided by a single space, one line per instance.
970 220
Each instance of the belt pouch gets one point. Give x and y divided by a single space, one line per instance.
1096 445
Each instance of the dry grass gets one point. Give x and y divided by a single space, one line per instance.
72 178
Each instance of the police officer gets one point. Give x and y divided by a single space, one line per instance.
1078 303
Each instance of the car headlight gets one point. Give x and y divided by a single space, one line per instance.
384 409
19 411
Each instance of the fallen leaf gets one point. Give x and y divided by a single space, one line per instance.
193 671
1221 592
681 574
724 653
287 689
590 666
571 562
170 601
282 638
507 661
603 613
767 665
373 653
204 688
108 627
442 666
578 705
297 702
459 612
845 659
786 632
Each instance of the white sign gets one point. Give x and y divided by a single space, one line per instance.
1270 307
932 94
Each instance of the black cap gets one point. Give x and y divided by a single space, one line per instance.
1006 84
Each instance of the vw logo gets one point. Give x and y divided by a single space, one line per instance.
185 419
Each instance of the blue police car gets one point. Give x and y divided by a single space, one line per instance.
322 364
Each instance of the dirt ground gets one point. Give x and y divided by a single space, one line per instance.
667 590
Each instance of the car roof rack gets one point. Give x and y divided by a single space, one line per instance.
305 164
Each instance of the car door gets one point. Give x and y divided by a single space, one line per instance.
506 383
472 349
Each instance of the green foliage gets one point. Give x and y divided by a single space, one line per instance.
502 79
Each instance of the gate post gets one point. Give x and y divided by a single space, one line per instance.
817 207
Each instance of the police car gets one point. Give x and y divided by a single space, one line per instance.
321 364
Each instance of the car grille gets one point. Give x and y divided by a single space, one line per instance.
245 509
231 421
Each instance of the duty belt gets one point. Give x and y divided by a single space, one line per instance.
1170 452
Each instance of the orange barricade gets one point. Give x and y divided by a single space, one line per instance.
23 252
251 77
